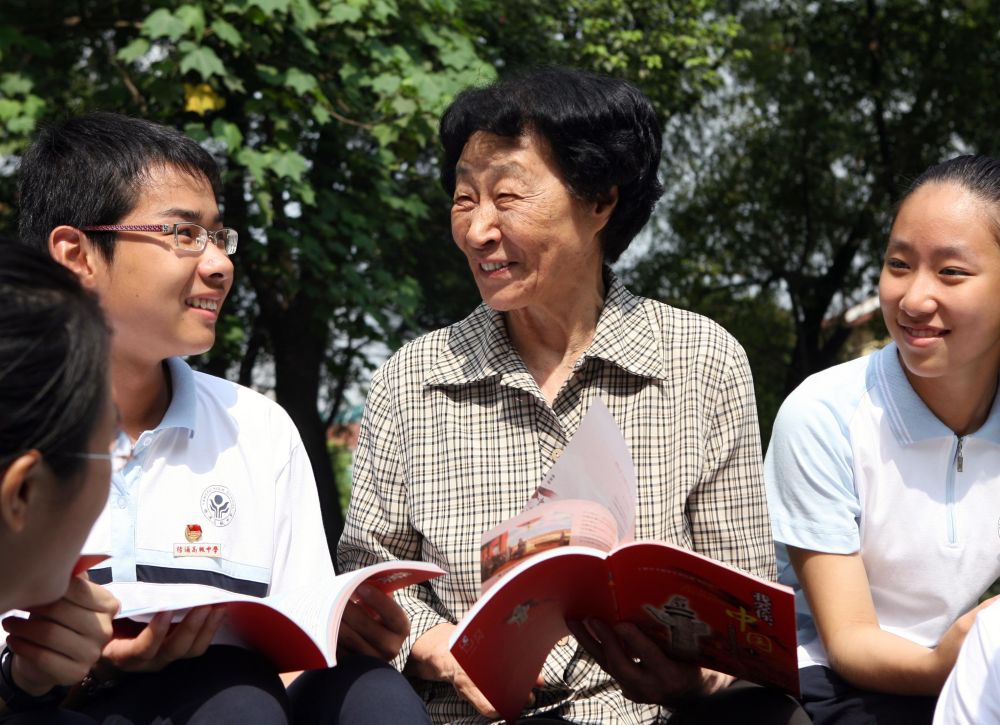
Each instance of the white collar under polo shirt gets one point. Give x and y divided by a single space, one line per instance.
220 493
858 462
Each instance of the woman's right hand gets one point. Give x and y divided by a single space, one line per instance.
430 659
59 643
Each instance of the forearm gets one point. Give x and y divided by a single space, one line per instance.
871 658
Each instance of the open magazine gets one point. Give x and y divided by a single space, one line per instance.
569 556
295 629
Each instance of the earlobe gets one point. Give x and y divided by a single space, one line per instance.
16 484
71 248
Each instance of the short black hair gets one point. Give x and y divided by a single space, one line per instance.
603 133
976 173
89 169
53 360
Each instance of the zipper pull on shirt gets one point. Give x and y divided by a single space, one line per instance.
958 454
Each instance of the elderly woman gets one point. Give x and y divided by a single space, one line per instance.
552 174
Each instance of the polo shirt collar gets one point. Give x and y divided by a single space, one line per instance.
182 411
478 347
909 417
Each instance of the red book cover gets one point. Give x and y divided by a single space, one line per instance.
703 611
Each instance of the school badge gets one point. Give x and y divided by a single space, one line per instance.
218 505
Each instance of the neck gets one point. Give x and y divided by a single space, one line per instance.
551 339
141 391
960 402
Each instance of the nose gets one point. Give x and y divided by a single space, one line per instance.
919 298
215 266
484 225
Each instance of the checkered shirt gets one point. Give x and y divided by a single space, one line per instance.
457 435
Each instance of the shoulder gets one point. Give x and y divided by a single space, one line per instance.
683 336
449 346
832 395
218 398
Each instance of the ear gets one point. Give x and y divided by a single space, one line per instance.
71 248
17 490
605 206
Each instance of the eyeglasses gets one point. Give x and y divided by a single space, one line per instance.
188 236
118 460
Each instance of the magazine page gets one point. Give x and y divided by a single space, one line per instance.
595 466
547 526
707 612
586 499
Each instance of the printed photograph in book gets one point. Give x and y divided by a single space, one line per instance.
543 527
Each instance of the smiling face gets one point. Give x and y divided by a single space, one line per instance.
161 301
528 241
940 286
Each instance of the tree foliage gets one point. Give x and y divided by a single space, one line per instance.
785 190
323 114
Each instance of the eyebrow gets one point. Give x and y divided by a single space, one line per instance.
188 215
510 168
947 251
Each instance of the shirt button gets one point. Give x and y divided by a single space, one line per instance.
122 502
556 453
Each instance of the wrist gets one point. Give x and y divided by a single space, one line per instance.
29 696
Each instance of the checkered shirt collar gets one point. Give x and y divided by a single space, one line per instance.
479 348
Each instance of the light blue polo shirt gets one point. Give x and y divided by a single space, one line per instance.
858 462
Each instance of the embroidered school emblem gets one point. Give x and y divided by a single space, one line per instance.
192 532
218 505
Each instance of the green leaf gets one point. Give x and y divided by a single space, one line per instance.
256 162
202 60
133 51
193 18
15 84
227 33
300 81
270 6
341 12
228 132
305 15
289 164
161 23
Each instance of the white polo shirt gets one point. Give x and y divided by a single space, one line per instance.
220 493
857 462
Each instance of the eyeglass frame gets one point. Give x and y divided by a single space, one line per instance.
231 238
117 460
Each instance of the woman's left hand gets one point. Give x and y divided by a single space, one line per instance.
645 673
373 624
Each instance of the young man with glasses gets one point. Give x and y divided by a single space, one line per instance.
130 207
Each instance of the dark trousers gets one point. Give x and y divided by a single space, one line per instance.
742 702
358 691
831 700
225 685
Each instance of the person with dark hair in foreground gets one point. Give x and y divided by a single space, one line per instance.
131 208
883 473
552 174
57 424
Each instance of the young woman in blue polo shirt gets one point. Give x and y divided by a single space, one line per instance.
883 473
